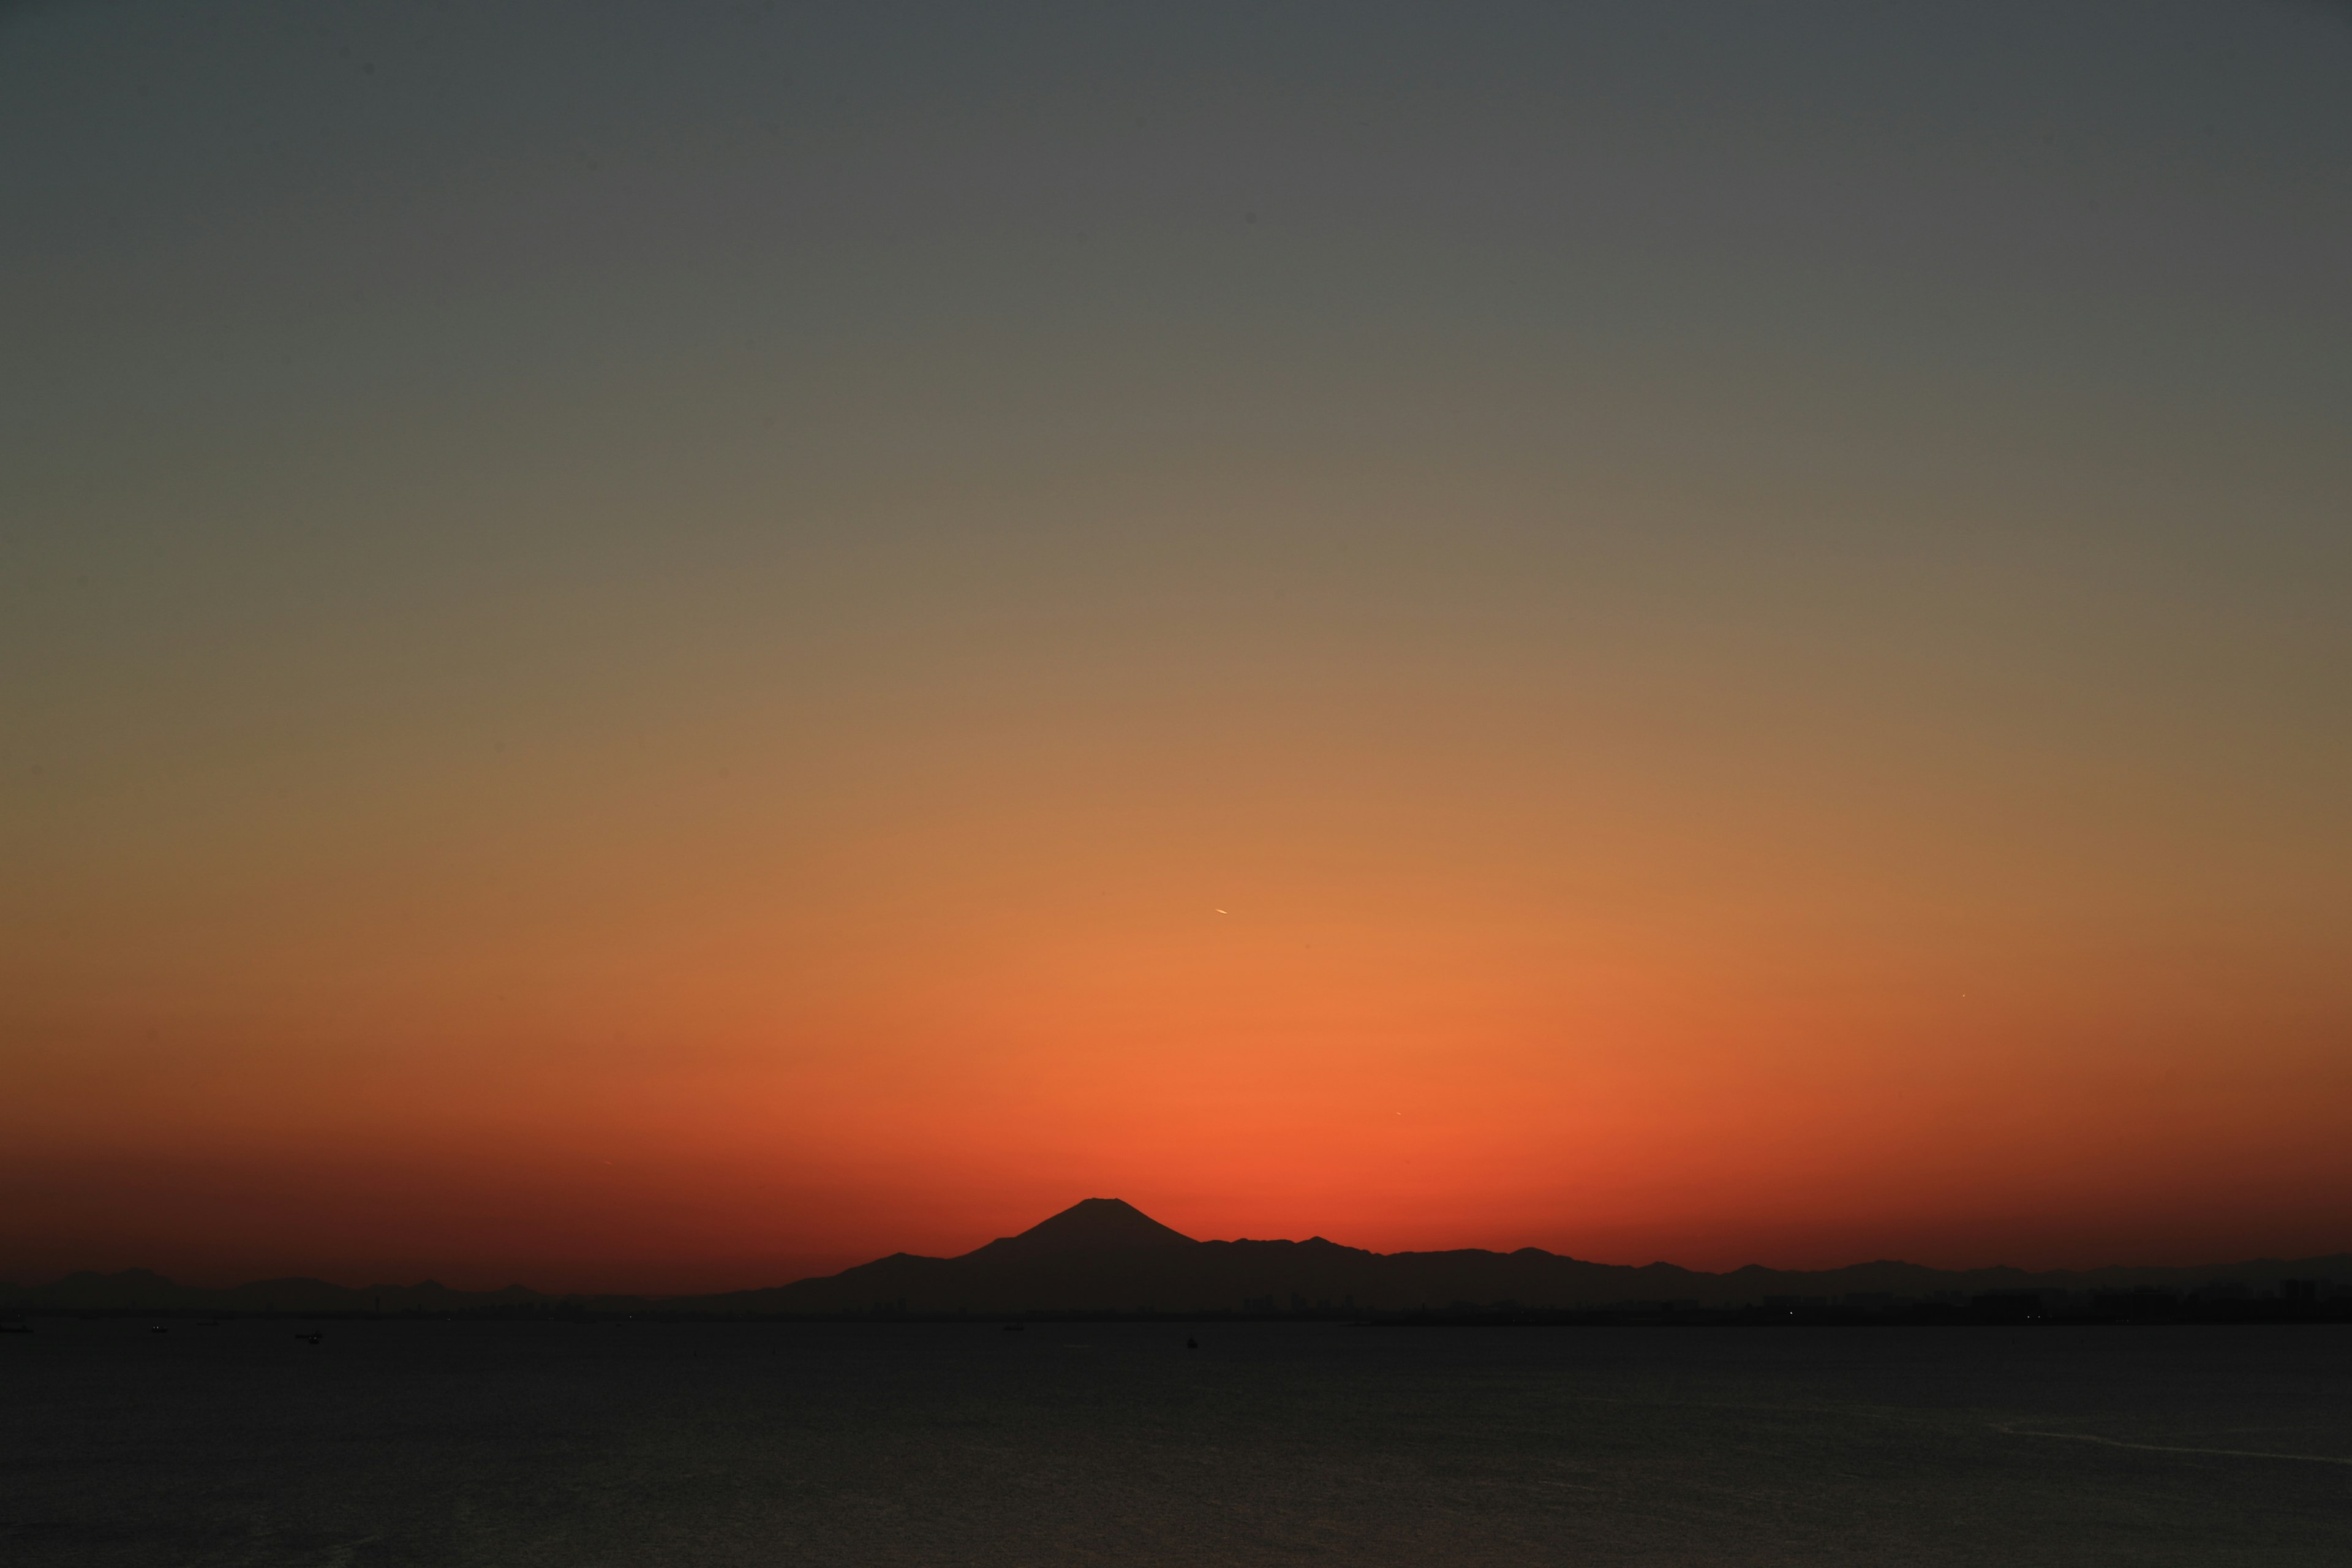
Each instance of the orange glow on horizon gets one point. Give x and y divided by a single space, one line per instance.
683 661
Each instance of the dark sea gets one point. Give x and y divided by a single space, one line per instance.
439 1442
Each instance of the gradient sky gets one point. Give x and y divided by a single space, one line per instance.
664 647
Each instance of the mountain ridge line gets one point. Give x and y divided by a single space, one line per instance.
1103 1253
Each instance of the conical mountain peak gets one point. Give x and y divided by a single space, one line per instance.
1091 1224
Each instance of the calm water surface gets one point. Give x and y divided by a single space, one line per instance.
741 1443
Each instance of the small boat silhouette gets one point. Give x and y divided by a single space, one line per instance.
159 1329
312 1337
1191 1343
1015 1328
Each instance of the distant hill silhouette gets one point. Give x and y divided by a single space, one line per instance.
145 1290
1104 1255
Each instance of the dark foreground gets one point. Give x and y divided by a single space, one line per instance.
455 1442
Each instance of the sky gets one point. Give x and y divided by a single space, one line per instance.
653 646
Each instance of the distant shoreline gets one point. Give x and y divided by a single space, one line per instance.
2150 1313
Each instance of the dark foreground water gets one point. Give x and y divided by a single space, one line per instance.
745 1443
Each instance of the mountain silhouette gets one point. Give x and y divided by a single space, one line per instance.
1088 1225
1102 1255
1105 1254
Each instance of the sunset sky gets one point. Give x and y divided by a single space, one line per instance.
662 647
